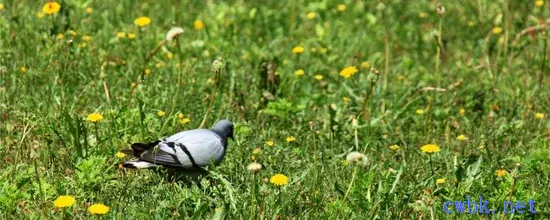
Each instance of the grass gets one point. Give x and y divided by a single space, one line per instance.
474 68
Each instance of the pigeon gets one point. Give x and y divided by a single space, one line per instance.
186 150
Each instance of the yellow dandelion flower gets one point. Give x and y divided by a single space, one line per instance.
319 77
461 111
161 113
313 50
395 147
64 201
72 33
419 111
278 180
298 50
461 138
324 50
348 71
311 15
120 155
270 143
89 10
430 148
346 99
82 45
539 115
131 36
471 24
345 163
60 36
440 181
422 15
142 21
496 30
94 117
198 25
539 3
1 6
23 69
120 35
501 172
133 85
169 55
365 65
86 38
341 7
98 209
256 151
184 121
180 115
40 15
299 72
290 139
51 8
147 72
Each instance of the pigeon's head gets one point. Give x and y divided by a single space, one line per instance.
224 127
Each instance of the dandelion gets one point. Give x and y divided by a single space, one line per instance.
23 69
440 181
496 30
120 155
324 50
1 6
184 121
133 85
501 172
60 36
120 35
279 180
319 77
82 45
299 72
395 147
346 99
72 33
174 33
131 36
341 7
180 115
348 71
461 138
419 111
86 38
161 113
539 3
422 15
356 157
198 25
94 117
147 72
430 148
169 55
313 50
254 167
89 10
256 151
270 143
64 201
365 65
51 8
471 24
298 50
461 111
539 115
311 15
290 139
98 209
142 21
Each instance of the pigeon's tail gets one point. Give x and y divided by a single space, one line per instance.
139 164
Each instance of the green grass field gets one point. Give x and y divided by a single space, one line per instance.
305 83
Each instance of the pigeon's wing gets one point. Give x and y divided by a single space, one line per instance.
189 149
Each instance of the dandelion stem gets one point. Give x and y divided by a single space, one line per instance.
351 182
431 164
212 97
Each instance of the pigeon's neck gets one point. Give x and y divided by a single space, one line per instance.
222 134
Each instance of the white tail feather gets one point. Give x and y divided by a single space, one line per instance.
139 164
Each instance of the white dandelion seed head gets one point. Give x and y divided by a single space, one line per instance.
254 167
174 33
356 157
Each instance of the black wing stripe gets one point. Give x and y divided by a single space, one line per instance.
186 151
174 156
